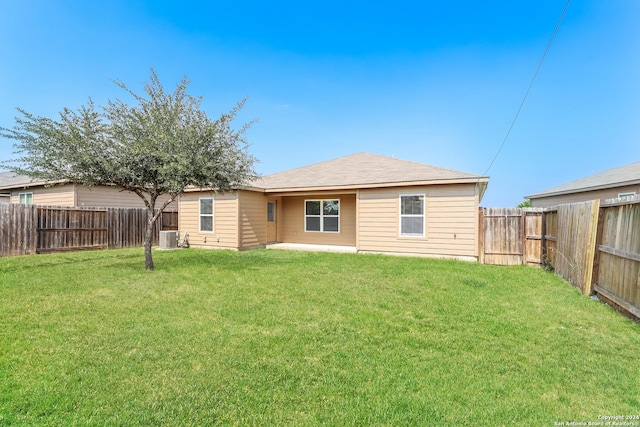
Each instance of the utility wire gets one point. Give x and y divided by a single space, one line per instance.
515 118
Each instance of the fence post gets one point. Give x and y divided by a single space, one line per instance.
591 249
523 231
481 235
543 240
596 256
35 211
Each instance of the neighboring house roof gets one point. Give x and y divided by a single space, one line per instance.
362 170
10 180
616 177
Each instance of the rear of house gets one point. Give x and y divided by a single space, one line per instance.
368 202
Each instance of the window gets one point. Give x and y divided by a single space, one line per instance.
206 214
627 194
322 216
271 212
25 198
412 215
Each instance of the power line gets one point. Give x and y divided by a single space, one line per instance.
515 118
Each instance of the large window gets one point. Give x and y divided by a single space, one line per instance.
25 198
412 215
206 214
322 216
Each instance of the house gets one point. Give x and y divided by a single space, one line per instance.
6 180
366 202
24 190
613 183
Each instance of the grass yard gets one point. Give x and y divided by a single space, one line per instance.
295 338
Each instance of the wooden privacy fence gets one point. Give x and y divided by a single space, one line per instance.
66 229
616 270
570 236
510 236
29 229
594 246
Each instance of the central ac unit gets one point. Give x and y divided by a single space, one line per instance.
168 239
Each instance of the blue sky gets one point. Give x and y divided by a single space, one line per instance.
434 82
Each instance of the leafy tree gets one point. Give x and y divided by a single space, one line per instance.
524 204
161 145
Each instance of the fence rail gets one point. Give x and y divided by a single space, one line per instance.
594 246
29 229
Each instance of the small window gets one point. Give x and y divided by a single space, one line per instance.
206 214
25 198
627 194
412 215
322 216
271 212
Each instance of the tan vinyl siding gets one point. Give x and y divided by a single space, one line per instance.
608 193
291 221
451 221
253 219
103 196
225 220
81 196
57 195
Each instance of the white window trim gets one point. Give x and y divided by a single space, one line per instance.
200 215
25 194
424 215
321 216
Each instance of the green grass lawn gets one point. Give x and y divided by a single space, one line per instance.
297 338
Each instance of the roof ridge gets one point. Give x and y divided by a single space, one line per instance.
381 156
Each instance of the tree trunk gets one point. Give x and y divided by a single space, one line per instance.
148 236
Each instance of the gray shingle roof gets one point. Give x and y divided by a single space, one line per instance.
616 177
9 179
360 169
